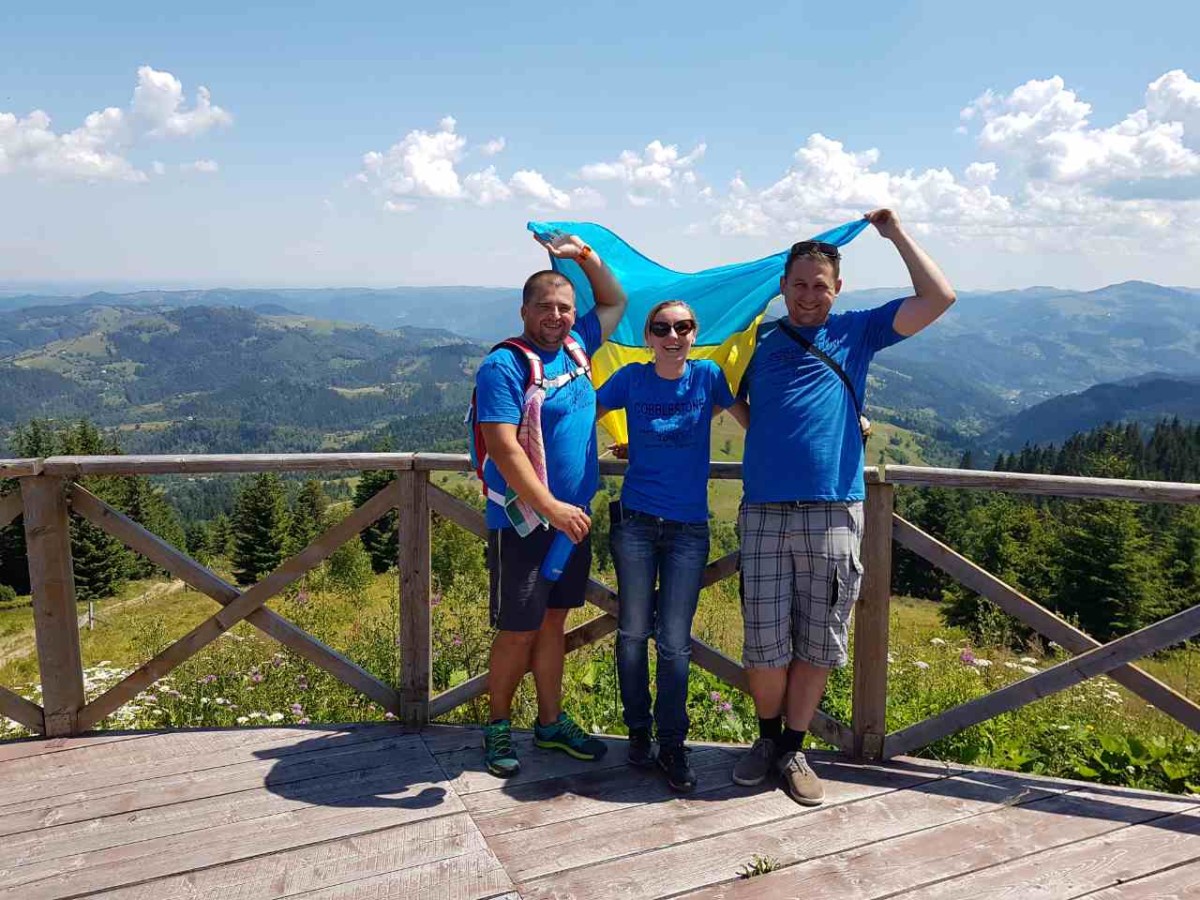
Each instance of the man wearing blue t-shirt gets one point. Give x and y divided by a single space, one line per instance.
529 622
801 519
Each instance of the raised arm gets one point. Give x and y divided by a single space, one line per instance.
610 296
514 465
932 293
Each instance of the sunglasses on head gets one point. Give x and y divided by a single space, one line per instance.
681 328
803 248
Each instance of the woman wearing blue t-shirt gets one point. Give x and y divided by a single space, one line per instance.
660 528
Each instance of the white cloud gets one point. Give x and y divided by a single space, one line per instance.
205 166
96 151
659 171
1046 129
529 183
492 147
424 165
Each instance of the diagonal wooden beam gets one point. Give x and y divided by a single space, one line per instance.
720 569
1068 673
579 636
462 514
1042 620
10 508
207 582
212 628
17 708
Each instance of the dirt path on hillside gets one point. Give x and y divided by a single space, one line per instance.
18 645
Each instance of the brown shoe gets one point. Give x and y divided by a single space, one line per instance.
799 780
755 764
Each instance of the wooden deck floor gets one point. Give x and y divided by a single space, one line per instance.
374 811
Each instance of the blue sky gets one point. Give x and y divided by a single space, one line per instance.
1031 143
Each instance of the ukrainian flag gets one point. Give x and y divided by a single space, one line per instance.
729 301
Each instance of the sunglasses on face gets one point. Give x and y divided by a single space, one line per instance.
803 248
681 328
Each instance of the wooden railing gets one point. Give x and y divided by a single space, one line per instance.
49 495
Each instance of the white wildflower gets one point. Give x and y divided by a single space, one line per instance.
1029 670
1029 660
921 664
242 720
275 717
937 642
982 663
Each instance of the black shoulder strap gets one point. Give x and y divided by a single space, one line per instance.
823 357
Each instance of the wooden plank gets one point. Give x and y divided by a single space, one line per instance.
950 851
274 765
1084 866
720 569
35 751
461 514
721 471
709 846
10 508
579 636
442 462
869 712
209 583
74 466
79 874
1047 485
416 612
94 775
466 773
212 628
20 710
1176 883
52 583
584 794
1170 630
405 849
333 784
19 468
1041 619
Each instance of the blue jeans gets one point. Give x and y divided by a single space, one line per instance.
647 549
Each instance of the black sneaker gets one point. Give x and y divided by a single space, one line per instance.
641 748
673 759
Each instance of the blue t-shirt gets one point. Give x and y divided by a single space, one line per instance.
669 435
804 441
568 418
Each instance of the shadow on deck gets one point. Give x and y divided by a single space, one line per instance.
377 811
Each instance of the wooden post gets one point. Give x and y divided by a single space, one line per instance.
55 619
869 719
413 561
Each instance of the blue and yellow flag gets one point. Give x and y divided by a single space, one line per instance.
729 302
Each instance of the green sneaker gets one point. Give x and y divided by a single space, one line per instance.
499 754
565 735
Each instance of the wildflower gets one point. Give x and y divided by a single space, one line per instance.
389 715
275 717
302 598
715 696
1029 670
981 663
242 720
967 658
256 678
208 679
726 707
1130 769
303 721
1029 660
302 683
891 659
1066 727
297 709
221 701
150 698
1009 664
921 664
937 642
435 600
456 641
204 701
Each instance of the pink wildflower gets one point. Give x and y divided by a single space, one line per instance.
967 657
715 696
297 709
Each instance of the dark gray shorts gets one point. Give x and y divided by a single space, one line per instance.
513 563
801 573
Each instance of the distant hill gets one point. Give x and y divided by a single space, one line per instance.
206 378
1146 399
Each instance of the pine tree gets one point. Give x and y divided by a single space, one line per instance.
220 537
259 528
380 537
308 517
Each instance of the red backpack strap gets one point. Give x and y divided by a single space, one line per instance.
578 354
536 374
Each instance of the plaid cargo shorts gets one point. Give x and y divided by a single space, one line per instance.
801 574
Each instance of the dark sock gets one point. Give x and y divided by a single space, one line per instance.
771 728
792 740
